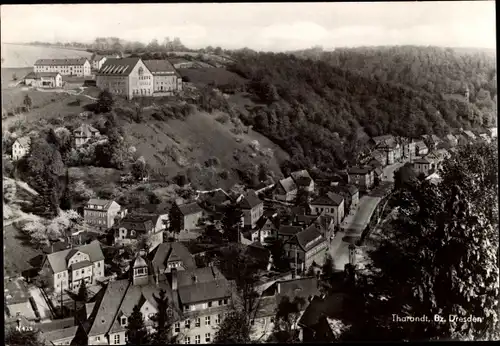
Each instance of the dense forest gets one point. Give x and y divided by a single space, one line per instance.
321 110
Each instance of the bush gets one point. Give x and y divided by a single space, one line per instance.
224 175
223 118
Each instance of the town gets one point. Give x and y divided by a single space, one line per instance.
270 258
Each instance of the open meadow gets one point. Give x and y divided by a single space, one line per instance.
16 55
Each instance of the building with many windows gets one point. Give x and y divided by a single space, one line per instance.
101 213
20 148
166 79
66 67
128 77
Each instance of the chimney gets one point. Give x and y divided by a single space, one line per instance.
173 272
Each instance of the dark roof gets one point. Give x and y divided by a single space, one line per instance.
60 62
105 203
38 75
57 260
307 219
379 171
85 130
352 189
250 200
173 251
309 238
359 170
217 197
205 291
56 325
299 174
118 67
303 181
190 208
136 222
303 287
330 198
160 67
331 306
79 265
289 230
422 161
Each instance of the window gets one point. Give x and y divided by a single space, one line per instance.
207 320
124 320
220 302
252 322
58 276
197 339
186 307
209 304
217 319
98 264
225 301
177 327
83 271
187 340
198 322
97 338
272 319
117 338
207 337
187 324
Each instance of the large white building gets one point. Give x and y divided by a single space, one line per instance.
165 78
69 268
128 77
20 148
67 67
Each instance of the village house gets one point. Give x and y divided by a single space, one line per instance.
166 80
85 133
286 232
252 208
380 157
58 332
261 256
198 300
469 135
362 177
67 67
485 138
70 267
493 132
20 148
128 77
286 190
422 166
421 148
390 146
263 324
189 215
303 180
264 232
129 229
43 79
462 139
350 194
97 60
306 247
101 213
452 140
216 201
331 204
172 255
17 299
431 141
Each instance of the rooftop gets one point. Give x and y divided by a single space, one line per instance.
57 260
166 252
289 230
250 200
136 222
118 67
60 62
104 203
85 130
288 184
190 208
160 67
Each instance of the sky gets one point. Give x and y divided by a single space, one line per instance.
260 26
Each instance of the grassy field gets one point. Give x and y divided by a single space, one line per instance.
15 55
17 254
217 76
7 74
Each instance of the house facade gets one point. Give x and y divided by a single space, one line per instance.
421 148
127 77
20 148
306 247
252 208
198 301
422 166
173 255
166 80
101 213
67 67
43 79
303 180
286 190
331 204
129 229
363 178
70 267
189 215
84 133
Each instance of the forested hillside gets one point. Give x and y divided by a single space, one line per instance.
318 111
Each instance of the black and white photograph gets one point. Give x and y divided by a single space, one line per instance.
240 173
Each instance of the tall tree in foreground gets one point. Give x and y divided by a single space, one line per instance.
234 329
137 333
163 321
105 102
15 337
287 316
231 223
440 257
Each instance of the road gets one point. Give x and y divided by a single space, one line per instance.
352 228
389 171
40 302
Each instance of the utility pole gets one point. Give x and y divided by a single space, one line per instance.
296 262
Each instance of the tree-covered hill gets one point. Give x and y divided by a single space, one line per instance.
317 110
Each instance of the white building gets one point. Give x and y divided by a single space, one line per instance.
98 60
20 148
128 77
165 77
43 79
67 67
68 268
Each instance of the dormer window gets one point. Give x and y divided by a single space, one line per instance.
186 307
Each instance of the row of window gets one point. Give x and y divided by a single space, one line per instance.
141 91
97 222
197 339
96 213
197 322
144 77
221 302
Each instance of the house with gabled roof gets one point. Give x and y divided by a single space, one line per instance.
306 247
286 190
172 255
198 300
189 215
66 67
303 180
69 268
421 148
286 232
166 79
21 147
97 60
85 133
422 166
379 156
130 228
469 135
264 232
331 204
43 79
362 177
252 207
127 77
452 140
101 213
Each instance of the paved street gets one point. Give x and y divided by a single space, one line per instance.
389 171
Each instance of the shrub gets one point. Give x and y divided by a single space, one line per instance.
223 118
224 175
